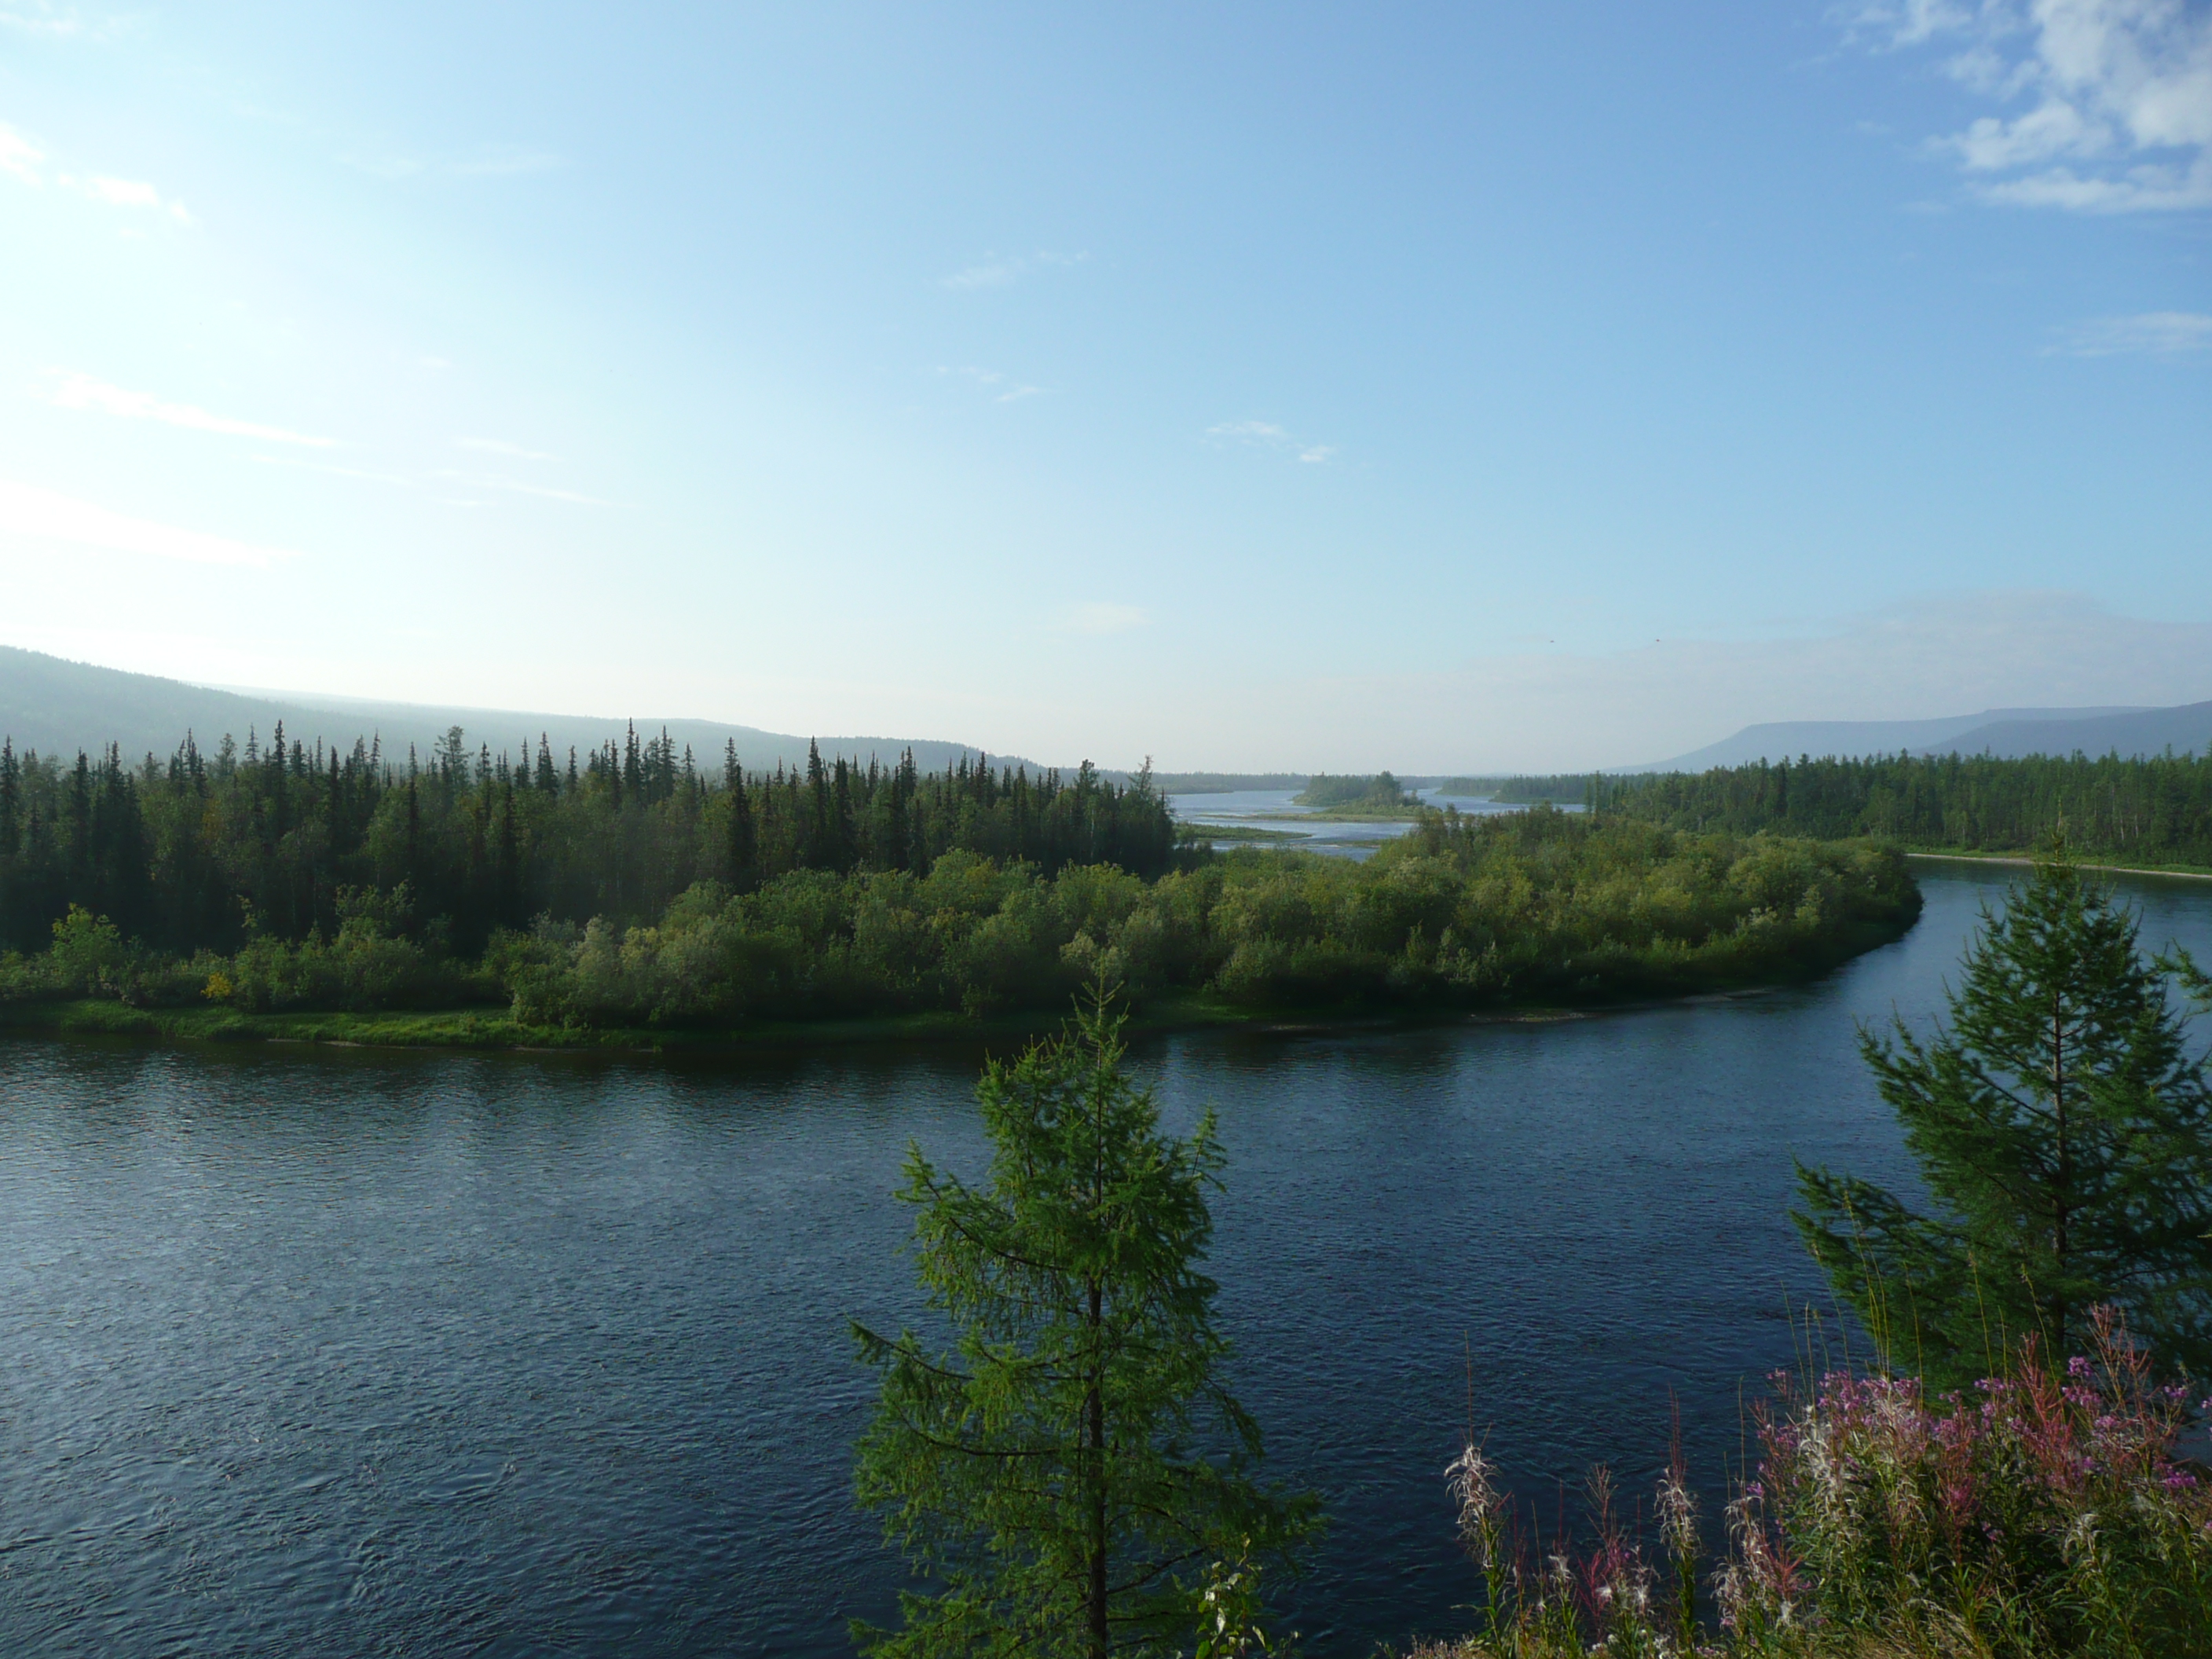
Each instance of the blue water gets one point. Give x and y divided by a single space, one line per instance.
348 1353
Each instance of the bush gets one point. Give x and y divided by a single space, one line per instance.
2044 1513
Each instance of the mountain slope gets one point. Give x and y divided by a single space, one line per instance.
2185 729
58 707
1787 739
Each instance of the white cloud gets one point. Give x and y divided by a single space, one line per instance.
1268 434
498 447
2156 333
1104 617
123 192
82 392
994 272
19 156
127 193
1002 389
39 18
2119 93
46 515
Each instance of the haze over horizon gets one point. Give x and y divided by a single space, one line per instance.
1286 387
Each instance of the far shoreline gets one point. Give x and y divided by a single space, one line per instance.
2026 860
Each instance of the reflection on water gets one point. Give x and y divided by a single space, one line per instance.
343 1353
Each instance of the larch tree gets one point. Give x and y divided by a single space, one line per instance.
1066 1475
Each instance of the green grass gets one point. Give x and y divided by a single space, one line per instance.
492 1027
1240 833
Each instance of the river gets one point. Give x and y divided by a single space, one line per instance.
353 1353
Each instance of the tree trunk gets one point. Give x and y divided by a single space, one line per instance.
2063 1179
1095 1430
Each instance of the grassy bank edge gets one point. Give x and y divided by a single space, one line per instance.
2024 858
487 1026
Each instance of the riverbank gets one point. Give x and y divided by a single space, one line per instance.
492 1027
2026 859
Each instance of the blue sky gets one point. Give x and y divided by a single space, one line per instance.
1247 386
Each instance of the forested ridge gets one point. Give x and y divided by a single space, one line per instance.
2154 810
205 851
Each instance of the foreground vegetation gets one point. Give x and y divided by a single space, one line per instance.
2045 1512
1460 914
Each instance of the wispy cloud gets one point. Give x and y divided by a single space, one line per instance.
994 270
502 162
2117 97
1105 616
82 392
1001 389
484 161
24 157
516 487
335 471
52 22
1267 434
499 447
46 515
19 156
128 193
2151 333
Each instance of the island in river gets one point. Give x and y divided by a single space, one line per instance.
638 902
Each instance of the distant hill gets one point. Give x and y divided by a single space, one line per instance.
1993 729
2185 730
58 707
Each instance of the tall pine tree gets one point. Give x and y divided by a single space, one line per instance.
2065 1133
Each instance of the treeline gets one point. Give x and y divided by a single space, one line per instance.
209 852
1461 912
2150 810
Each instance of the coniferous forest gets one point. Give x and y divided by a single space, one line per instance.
203 852
632 888
2154 810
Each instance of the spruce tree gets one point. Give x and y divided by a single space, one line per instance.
1064 1477
743 838
2065 1133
